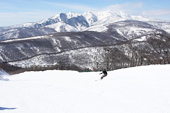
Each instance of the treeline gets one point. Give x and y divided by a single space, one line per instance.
155 49
150 49
10 68
15 70
63 66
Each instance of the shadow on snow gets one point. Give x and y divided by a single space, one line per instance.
5 108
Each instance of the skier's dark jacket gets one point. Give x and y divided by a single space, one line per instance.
104 72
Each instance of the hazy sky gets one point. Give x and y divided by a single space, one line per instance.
13 12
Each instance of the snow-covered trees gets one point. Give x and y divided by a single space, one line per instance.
154 50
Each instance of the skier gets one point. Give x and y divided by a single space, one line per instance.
104 74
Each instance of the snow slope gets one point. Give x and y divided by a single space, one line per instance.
135 90
3 74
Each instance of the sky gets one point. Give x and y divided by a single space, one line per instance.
14 12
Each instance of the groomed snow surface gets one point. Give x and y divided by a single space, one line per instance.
144 89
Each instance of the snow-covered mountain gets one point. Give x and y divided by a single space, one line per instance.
77 37
74 22
84 49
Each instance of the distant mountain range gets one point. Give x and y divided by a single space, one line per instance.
74 22
76 39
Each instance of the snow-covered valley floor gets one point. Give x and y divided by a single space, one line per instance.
144 89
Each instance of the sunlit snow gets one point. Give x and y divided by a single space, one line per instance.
142 89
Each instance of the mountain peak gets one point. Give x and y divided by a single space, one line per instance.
72 14
82 21
55 16
123 14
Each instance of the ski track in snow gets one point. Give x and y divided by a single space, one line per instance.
142 89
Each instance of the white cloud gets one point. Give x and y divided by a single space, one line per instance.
126 7
72 6
158 12
138 8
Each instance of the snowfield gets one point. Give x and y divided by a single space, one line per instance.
144 89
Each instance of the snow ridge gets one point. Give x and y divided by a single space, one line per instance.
92 18
75 22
